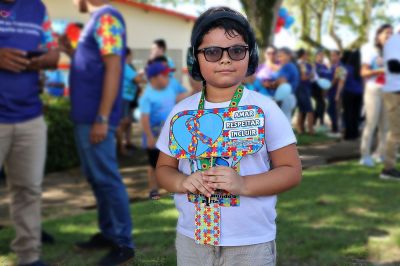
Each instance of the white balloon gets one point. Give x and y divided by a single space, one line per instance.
283 91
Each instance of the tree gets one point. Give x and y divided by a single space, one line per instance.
319 16
262 15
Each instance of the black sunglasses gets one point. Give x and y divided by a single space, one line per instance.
215 53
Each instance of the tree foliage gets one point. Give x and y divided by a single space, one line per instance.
336 18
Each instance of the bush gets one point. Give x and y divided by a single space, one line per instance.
61 149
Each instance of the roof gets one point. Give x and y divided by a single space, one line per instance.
148 8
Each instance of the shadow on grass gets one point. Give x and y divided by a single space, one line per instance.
330 218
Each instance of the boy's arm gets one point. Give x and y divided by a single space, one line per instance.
285 174
167 174
151 142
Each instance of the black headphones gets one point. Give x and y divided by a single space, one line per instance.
198 30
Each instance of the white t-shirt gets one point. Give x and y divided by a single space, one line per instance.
253 222
392 51
370 56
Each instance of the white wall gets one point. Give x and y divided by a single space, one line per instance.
143 27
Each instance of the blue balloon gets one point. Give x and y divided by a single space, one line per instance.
324 84
283 13
283 91
289 22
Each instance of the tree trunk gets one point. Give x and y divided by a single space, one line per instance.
262 15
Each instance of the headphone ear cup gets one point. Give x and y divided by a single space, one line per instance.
253 61
193 65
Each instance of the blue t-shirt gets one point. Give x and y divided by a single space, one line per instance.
24 25
323 71
305 69
176 85
291 74
157 104
130 88
103 35
352 84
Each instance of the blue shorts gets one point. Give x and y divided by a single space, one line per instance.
303 95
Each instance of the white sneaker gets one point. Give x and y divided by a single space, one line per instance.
378 158
336 135
367 161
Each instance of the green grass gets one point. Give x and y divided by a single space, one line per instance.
317 138
340 215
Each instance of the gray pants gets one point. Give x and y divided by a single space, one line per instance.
191 254
23 152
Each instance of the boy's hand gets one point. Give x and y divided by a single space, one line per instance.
195 184
225 178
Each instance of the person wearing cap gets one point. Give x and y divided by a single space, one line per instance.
96 88
27 45
155 104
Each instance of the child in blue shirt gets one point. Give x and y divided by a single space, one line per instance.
223 53
155 104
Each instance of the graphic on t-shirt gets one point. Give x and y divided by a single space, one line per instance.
220 132
225 134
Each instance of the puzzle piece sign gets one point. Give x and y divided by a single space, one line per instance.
221 132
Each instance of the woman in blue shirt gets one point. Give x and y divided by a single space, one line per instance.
352 94
303 93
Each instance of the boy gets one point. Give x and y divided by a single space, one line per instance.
224 52
155 105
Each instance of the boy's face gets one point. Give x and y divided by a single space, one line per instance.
160 81
226 72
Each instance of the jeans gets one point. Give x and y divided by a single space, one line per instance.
100 166
333 113
288 105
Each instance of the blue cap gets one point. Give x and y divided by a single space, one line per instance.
155 69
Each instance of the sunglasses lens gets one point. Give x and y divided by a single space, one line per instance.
213 54
237 52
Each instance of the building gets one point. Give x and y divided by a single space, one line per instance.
145 23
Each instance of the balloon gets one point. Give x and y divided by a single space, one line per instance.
283 91
280 22
136 114
324 84
283 13
278 29
289 22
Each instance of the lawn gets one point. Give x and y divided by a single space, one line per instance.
317 138
340 215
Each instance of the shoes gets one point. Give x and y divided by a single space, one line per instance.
367 161
378 158
118 256
47 238
36 263
95 242
391 174
335 135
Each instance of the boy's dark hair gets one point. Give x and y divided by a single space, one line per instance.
233 23
286 51
161 44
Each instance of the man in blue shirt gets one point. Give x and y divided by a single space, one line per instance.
26 46
96 82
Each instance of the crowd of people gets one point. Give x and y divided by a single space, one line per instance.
104 84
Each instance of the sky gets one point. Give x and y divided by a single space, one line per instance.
286 38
